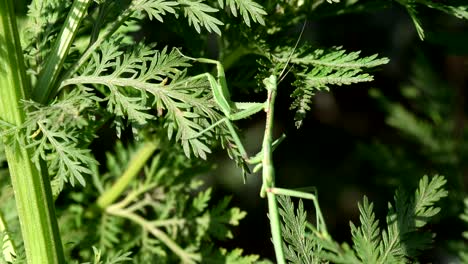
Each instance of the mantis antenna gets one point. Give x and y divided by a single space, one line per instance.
292 52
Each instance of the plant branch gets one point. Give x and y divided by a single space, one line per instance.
32 189
49 74
135 165
186 257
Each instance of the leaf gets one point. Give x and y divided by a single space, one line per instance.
144 79
156 8
200 202
197 14
220 255
366 237
298 248
118 257
401 240
110 228
460 11
405 121
426 195
323 68
247 8
43 24
56 134
217 221
411 8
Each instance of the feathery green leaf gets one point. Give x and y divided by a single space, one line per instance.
323 68
247 8
198 15
53 135
298 247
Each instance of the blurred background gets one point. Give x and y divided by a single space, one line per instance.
366 139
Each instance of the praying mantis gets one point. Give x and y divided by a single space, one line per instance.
235 111
222 98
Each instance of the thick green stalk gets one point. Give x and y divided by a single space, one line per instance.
55 59
32 188
136 164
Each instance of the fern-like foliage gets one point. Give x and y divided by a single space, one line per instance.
58 134
366 237
156 9
118 257
320 69
212 223
145 85
328 67
247 8
297 247
140 85
52 133
128 88
163 214
413 127
216 222
450 7
399 242
222 255
110 228
198 13
45 19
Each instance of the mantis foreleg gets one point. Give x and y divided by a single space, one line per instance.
231 110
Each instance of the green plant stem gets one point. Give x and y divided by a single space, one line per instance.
49 74
269 174
31 187
135 165
126 209
185 256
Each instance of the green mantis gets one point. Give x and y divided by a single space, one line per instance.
231 110
268 175
234 111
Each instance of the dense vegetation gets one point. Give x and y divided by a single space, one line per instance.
120 120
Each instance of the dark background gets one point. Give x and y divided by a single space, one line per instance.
331 150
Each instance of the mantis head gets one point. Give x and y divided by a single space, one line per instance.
270 82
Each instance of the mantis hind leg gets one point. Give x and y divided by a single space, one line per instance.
321 226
